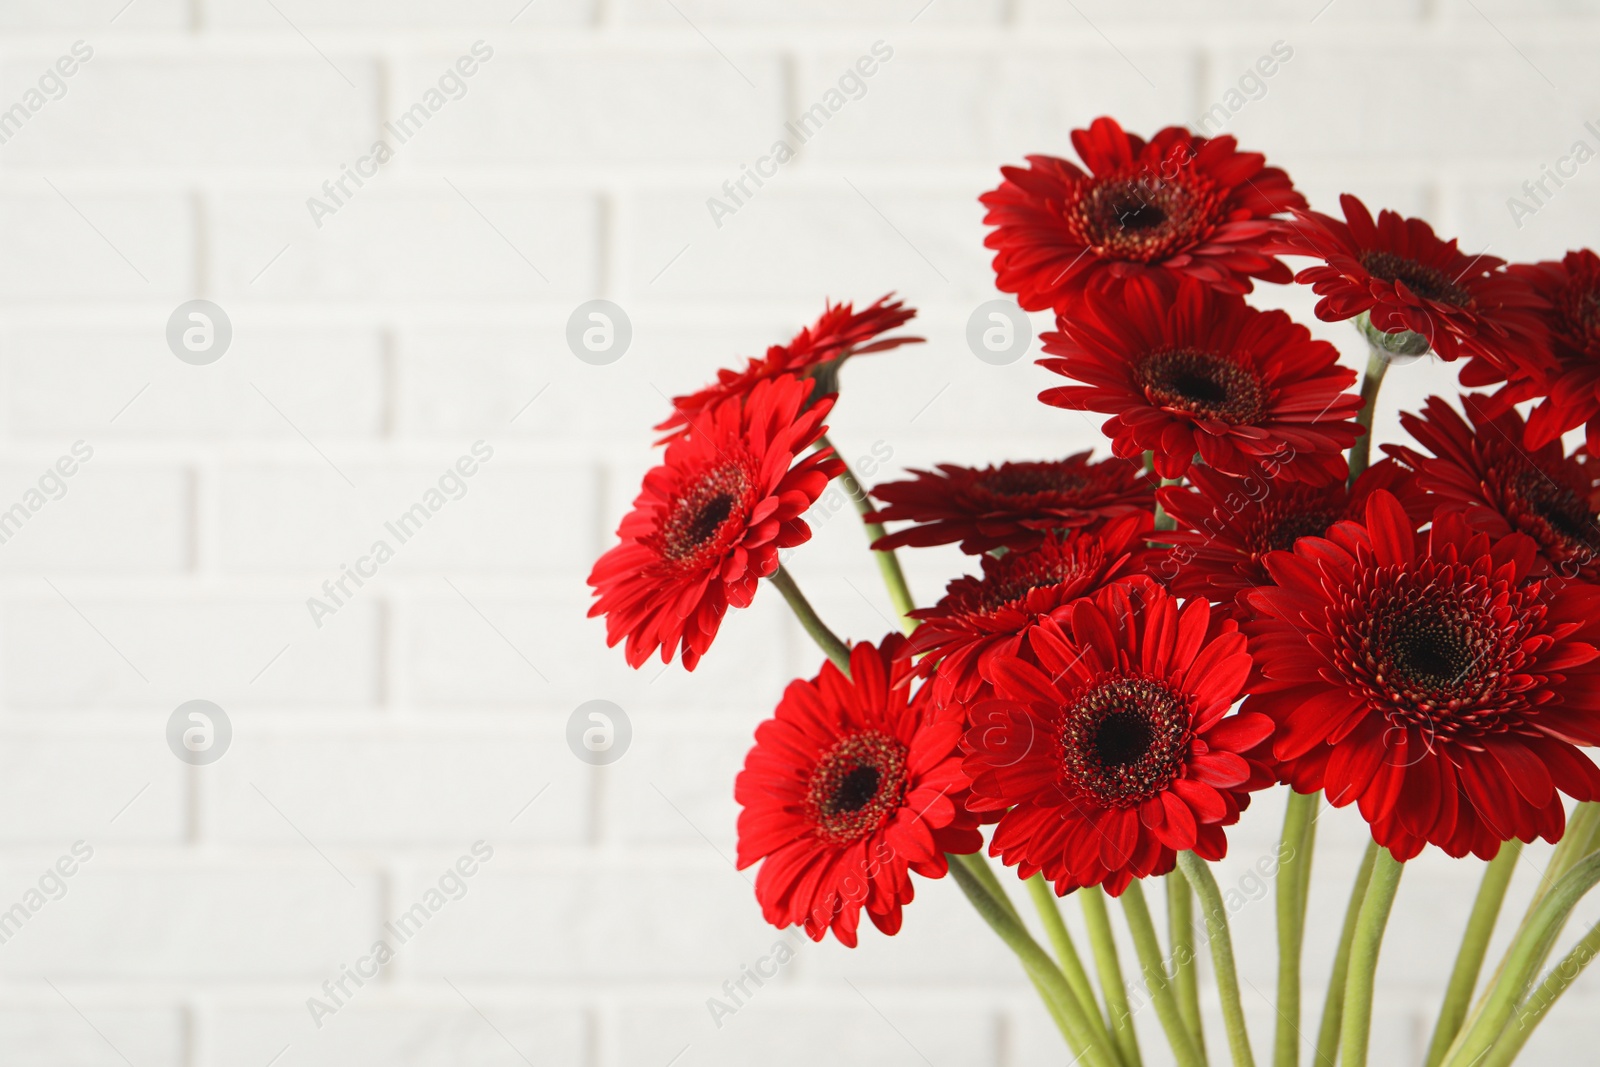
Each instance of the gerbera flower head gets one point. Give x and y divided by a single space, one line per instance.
1177 204
1484 472
854 782
1429 678
984 617
1227 525
1009 506
1570 392
1198 371
841 332
1115 752
710 520
1404 277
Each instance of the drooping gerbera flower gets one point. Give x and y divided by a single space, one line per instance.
1571 288
1177 204
1010 506
1226 525
709 522
981 618
1116 752
851 784
1430 679
1198 371
1484 472
839 333
1405 278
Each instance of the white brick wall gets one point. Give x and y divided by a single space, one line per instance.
423 315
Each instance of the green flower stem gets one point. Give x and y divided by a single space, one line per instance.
1294 875
1333 1004
984 871
1185 970
1063 1005
1474 946
826 639
1542 999
1361 451
1358 984
1528 950
1308 851
1581 838
1104 945
888 563
1184 1048
1044 901
1216 915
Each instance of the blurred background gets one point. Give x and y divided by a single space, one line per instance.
386 330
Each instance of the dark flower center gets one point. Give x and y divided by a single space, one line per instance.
1017 574
1427 282
1029 479
1432 650
1437 648
1568 524
1282 535
704 514
1123 740
1140 218
1202 384
855 786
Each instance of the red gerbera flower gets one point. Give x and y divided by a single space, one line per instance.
1011 505
841 332
1571 288
1483 472
852 783
1431 679
981 618
1202 371
1227 525
1406 278
711 519
1178 204
1116 752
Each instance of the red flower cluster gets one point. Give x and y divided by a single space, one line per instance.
1132 660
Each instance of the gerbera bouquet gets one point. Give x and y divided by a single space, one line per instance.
1235 599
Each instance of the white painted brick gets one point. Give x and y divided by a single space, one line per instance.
822 239
1247 17
101 787
423 242
983 107
94 16
899 1029
876 14
452 655
365 787
162 112
75 383
641 924
618 107
602 408
296 920
404 1031
303 518
106 517
216 649
676 786
356 15
1332 101
74 248
57 1036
